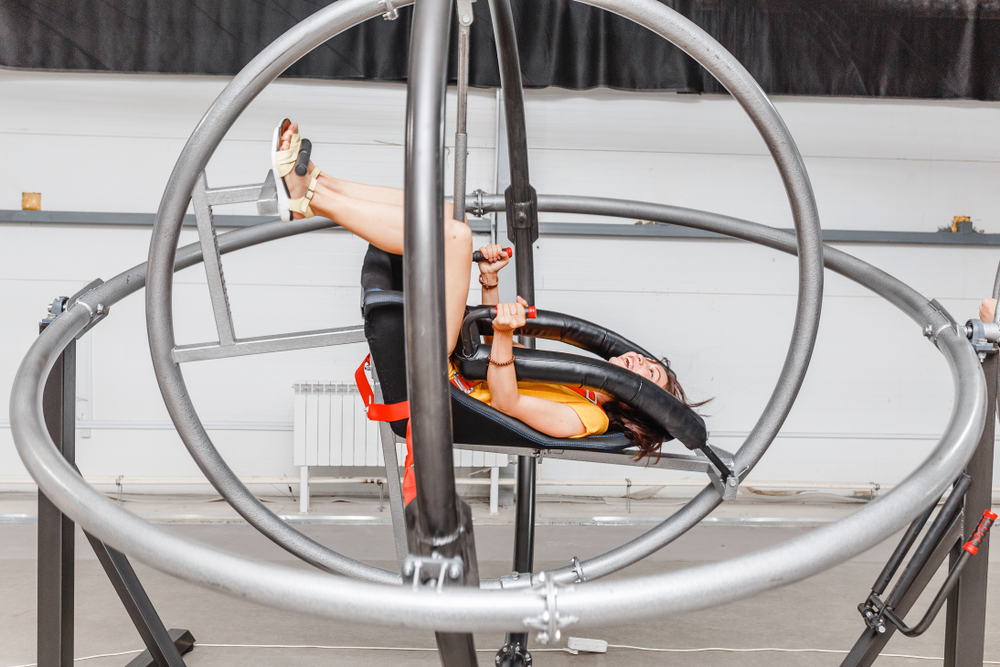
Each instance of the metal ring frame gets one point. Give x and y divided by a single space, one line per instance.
463 610
285 51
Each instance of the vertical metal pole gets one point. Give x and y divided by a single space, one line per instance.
522 228
423 270
424 305
56 531
465 17
965 630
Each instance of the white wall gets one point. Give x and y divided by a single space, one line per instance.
877 392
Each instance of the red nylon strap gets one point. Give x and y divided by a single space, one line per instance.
378 412
586 393
381 412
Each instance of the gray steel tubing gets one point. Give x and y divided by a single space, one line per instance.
464 609
425 313
462 114
253 582
513 97
280 54
910 301
996 295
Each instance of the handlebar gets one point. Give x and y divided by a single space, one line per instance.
478 256
302 161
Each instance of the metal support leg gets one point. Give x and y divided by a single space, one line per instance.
494 490
159 645
55 530
304 490
56 546
392 479
871 643
966 620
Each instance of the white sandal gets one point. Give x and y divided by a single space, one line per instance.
282 163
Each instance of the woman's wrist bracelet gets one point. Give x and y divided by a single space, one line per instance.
486 284
489 358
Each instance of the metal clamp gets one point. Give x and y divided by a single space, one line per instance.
578 570
549 624
391 14
478 208
433 572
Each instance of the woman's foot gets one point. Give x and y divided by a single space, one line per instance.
300 188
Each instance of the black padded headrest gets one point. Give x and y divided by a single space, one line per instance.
678 420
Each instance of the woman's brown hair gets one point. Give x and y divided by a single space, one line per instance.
637 427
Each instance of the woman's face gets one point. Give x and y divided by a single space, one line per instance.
640 365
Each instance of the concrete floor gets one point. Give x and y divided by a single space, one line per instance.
819 613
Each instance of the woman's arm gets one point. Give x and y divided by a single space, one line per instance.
555 419
495 259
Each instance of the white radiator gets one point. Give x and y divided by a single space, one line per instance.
331 429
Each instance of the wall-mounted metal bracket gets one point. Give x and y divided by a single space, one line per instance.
433 572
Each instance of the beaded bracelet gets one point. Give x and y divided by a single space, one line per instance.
486 284
506 363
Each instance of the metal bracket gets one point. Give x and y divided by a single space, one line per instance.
55 309
550 623
267 204
932 332
577 570
729 486
513 655
433 572
391 14
983 336
97 313
465 15
522 214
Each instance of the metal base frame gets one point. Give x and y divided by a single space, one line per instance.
56 542
965 629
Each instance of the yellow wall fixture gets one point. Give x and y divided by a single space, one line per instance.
31 201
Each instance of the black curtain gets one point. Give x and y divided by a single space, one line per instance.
881 48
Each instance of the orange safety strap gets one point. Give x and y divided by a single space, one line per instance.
391 412
586 393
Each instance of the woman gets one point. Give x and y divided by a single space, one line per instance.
376 214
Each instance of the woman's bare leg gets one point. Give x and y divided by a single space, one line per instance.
381 224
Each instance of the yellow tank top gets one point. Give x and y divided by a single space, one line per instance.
595 421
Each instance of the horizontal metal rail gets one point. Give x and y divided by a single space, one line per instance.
301 340
571 229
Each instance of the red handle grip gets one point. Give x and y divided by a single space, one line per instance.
982 530
478 256
530 312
